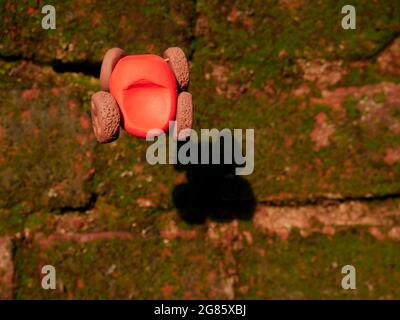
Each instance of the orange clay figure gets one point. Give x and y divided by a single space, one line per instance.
140 93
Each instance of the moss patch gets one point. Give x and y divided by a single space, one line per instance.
310 268
84 31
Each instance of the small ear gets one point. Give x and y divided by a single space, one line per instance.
106 118
184 116
110 59
177 60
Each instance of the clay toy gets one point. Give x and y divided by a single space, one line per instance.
140 93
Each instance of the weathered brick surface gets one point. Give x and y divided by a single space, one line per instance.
46 139
324 106
6 268
86 29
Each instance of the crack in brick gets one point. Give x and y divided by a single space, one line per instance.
83 237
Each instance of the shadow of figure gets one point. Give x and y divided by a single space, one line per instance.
213 191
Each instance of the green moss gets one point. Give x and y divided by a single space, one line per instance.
144 268
350 104
368 74
379 97
47 145
148 268
51 163
310 268
258 45
322 108
80 36
253 34
11 220
395 112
